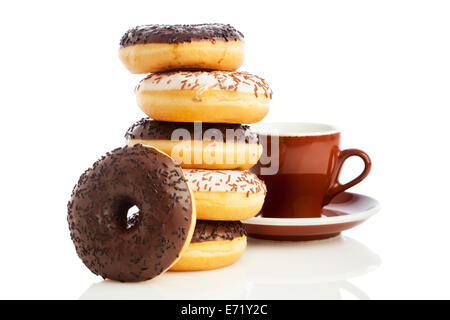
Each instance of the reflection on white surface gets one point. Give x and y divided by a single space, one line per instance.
268 270
307 270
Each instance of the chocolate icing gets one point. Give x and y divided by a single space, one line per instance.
218 230
145 245
179 33
148 129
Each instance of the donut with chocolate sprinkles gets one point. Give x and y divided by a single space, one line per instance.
180 33
162 47
199 145
142 246
206 230
215 244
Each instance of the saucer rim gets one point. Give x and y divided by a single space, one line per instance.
359 216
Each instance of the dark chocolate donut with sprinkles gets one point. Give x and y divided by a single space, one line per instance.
226 146
162 47
206 230
215 244
148 129
179 33
116 247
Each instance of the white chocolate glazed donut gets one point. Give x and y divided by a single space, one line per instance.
214 96
226 195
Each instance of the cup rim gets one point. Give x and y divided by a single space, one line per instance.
294 129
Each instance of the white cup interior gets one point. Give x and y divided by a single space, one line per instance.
294 129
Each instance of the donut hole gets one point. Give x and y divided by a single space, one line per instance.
127 214
132 217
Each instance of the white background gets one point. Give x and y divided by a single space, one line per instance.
380 70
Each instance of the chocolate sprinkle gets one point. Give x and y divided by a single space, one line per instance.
148 129
143 246
179 33
218 230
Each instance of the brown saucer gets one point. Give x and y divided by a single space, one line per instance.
344 212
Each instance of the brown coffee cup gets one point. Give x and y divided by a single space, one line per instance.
300 166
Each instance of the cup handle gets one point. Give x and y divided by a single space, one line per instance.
335 187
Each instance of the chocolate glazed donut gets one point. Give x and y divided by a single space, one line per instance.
179 33
199 145
215 244
150 242
156 48
148 129
206 230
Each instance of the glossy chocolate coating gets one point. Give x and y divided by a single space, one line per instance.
218 230
148 129
179 33
144 246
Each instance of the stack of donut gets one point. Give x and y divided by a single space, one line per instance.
185 167
197 105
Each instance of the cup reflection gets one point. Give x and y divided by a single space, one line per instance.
308 270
